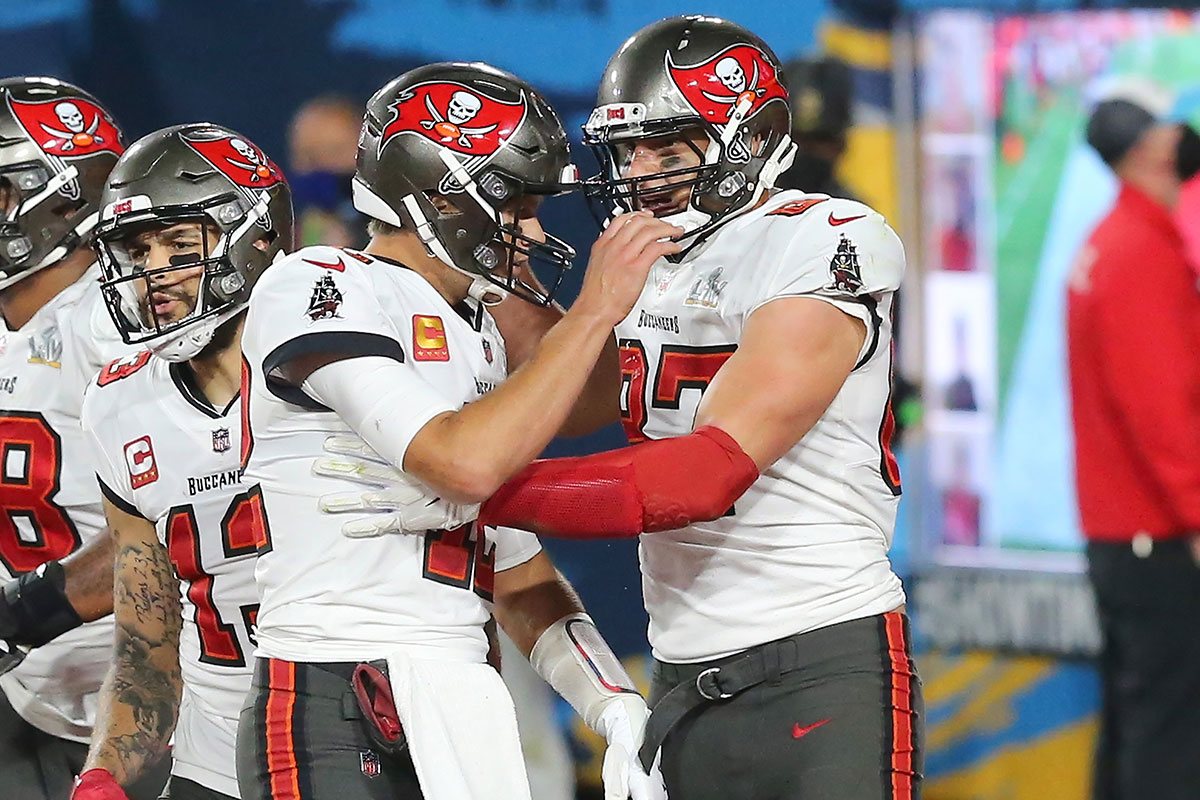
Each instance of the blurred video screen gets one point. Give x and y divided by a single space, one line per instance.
1010 191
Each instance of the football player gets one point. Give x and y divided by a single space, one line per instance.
396 345
57 146
191 216
756 393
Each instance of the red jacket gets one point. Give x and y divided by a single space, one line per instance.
1133 324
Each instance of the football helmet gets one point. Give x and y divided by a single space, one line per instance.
195 173
675 76
57 146
475 138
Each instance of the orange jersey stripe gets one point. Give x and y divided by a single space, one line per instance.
902 732
281 744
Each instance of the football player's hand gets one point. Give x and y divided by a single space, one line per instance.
10 655
623 722
395 502
97 784
620 261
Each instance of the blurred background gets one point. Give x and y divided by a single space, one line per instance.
962 125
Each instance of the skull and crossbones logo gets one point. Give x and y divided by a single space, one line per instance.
451 126
253 163
75 132
732 75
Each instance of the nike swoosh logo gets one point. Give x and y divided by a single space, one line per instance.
843 220
798 732
337 265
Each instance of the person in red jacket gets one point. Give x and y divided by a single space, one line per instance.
1133 316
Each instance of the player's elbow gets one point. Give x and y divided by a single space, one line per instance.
468 483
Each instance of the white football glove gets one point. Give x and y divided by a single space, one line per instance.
622 723
397 502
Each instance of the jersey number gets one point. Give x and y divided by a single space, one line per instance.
458 558
679 367
33 528
243 531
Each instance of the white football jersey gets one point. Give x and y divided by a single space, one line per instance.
326 597
49 497
161 452
806 546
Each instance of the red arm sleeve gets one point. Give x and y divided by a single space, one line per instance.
1149 335
653 486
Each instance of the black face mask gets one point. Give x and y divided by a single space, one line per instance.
1187 153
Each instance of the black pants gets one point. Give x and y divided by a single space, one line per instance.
37 766
1150 672
846 725
300 737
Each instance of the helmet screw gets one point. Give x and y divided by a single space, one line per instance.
228 213
232 282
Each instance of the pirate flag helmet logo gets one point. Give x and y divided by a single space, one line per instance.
69 128
739 74
57 147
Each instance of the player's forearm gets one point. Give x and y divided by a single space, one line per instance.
599 402
89 577
139 704
468 454
139 701
530 598
524 325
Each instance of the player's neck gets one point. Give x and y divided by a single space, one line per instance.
19 302
218 373
408 250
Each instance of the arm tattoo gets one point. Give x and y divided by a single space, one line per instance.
140 699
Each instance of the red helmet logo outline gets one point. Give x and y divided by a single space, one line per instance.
237 159
715 87
456 116
67 128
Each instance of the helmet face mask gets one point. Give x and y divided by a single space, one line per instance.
682 74
57 146
192 215
445 148
149 298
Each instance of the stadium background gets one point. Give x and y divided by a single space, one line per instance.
967 136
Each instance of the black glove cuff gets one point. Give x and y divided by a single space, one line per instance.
37 606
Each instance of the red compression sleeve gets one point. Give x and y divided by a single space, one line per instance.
653 486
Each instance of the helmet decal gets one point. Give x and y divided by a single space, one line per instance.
67 128
237 159
455 116
715 86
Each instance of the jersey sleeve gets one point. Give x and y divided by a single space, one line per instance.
318 300
114 481
514 547
846 255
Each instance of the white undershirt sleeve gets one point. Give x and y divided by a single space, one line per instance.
383 400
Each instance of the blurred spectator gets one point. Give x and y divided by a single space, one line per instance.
323 139
960 393
821 93
1134 338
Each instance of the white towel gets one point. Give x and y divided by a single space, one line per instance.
461 729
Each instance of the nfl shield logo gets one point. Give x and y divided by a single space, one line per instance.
487 350
221 440
371 767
